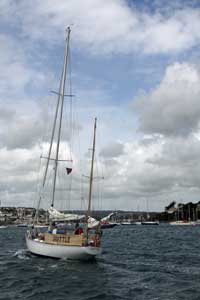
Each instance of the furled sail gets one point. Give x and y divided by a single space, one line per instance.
56 215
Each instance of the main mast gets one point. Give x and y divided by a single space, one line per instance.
61 95
60 101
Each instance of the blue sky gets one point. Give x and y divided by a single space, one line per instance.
135 65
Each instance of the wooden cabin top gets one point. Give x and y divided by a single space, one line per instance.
64 239
69 240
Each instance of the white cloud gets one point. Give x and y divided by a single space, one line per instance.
19 170
112 150
176 33
18 72
161 171
21 124
173 107
107 26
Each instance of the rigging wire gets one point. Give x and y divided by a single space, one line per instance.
79 164
37 199
103 168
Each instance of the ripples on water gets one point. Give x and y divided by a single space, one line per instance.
138 262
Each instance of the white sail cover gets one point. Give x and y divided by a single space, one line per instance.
56 215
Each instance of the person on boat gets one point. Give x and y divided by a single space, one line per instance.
53 228
54 231
78 229
49 229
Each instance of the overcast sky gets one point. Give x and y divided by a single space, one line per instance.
135 66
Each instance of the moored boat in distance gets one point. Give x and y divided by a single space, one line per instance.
40 226
150 223
3 226
197 222
149 220
22 225
128 223
183 223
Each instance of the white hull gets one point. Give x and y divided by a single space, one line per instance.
150 223
181 223
22 225
62 251
131 223
41 226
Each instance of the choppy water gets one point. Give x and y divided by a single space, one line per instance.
138 262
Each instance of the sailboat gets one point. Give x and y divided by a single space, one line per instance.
148 220
81 244
181 221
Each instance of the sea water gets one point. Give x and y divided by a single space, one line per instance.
138 262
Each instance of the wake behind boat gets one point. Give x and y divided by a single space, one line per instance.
82 243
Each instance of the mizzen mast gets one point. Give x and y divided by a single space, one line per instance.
92 168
